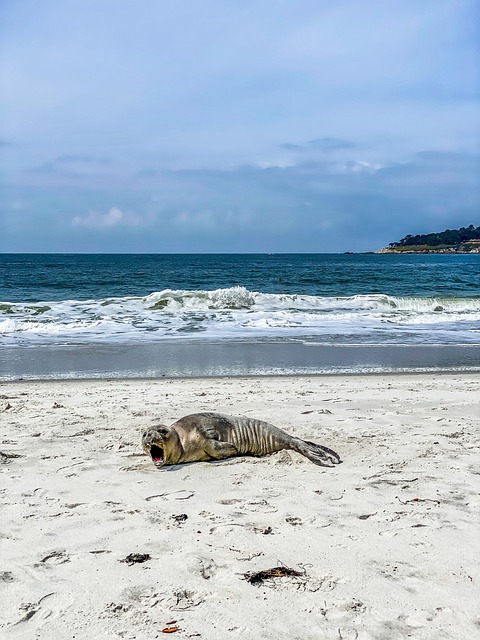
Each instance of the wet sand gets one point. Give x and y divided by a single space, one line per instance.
200 359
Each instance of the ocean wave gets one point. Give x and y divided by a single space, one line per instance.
241 298
237 313
230 298
46 328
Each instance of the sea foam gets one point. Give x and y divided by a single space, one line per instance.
240 314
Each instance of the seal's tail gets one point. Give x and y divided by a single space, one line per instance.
322 456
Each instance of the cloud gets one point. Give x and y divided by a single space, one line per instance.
67 160
318 204
239 114
72 165
361 166
248 75
324 145
112 219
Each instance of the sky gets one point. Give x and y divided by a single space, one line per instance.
236 125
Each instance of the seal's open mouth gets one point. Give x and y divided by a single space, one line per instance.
156 453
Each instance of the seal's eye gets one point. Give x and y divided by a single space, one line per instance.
144 434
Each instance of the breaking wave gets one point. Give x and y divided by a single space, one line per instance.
240 314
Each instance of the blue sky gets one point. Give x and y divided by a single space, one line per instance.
236 125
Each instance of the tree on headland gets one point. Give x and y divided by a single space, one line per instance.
448 237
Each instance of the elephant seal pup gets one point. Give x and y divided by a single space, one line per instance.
207 436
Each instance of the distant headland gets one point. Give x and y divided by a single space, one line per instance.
463 240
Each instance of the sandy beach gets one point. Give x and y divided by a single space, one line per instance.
385 545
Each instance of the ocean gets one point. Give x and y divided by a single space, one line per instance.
74 316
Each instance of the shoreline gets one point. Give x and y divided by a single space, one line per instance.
253 376
384 543
193 360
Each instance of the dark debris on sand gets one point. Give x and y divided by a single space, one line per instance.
136 558
259 577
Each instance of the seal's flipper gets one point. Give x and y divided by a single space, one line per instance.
220 450
322 456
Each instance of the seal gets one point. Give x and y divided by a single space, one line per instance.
213 436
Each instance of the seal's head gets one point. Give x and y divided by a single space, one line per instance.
161 443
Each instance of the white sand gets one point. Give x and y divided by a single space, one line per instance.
387 542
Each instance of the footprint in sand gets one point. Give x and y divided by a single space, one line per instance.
34 614
6 576
183 494
183 600
211 516
203 566
55 557
259 505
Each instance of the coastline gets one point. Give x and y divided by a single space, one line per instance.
230 358
451 252
384 542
